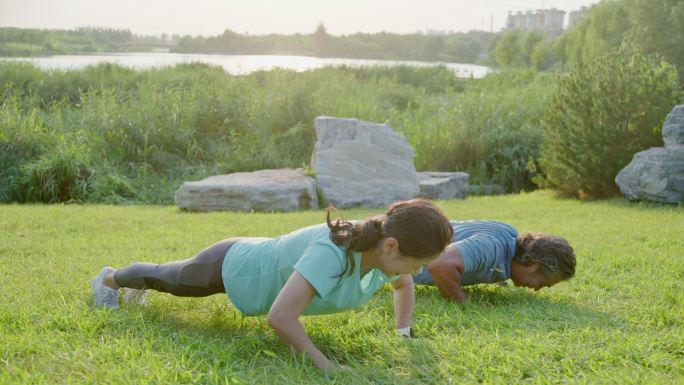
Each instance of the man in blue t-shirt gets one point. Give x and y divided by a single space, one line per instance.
490 252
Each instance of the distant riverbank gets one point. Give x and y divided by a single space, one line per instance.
233 64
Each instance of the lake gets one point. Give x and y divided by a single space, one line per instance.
233 64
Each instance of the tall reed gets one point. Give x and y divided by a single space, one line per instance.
108 133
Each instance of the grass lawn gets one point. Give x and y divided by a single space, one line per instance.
620 320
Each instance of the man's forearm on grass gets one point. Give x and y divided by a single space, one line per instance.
448 281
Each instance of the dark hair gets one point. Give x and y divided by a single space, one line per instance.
553 254
419 227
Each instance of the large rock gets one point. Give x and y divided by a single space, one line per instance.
443 185
673 128
657 174
264 190
359 163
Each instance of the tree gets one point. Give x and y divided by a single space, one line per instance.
529 43
508 48
600 116
465 50
434 46
657 26
602 29
543 56
322 40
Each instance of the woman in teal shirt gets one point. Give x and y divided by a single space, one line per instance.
319 269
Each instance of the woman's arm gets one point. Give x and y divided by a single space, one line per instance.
284 314
404 300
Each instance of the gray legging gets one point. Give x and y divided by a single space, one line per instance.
198 276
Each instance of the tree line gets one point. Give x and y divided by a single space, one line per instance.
647 27
35 42
454 47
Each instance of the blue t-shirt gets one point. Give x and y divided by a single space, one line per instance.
256 269
487 248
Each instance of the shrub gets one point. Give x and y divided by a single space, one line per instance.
600 116
57 177
108 187
22 138
492 130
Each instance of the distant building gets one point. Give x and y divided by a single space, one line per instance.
437 32
547 21
575 16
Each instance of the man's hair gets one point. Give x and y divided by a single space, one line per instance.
553 254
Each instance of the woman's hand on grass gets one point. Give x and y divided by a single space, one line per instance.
336 368
284 314
404 300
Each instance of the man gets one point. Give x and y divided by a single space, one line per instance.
490 252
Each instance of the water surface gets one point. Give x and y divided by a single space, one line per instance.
233 64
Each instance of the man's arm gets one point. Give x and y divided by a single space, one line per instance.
446 271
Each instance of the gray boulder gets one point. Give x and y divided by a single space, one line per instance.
673 128
657 174
443 185
263 190
359 163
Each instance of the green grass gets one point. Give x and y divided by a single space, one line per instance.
620 320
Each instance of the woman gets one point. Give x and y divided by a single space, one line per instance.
320 269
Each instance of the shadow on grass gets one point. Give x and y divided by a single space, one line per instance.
213 339
636 205
213 336
492 308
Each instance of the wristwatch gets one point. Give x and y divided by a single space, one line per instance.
406 332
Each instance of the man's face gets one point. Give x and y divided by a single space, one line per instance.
530 277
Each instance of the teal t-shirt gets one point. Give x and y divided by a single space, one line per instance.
256 269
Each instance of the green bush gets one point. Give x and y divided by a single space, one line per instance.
22 137
600 116
109 187
433 79
57 177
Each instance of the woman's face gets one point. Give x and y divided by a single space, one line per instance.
392 262
403 265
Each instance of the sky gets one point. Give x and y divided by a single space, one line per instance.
258 17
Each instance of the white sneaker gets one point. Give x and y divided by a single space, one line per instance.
104 296
135 296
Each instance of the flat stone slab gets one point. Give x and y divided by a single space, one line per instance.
360 163
443 185
263 190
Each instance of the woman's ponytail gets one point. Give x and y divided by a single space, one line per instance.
354 237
